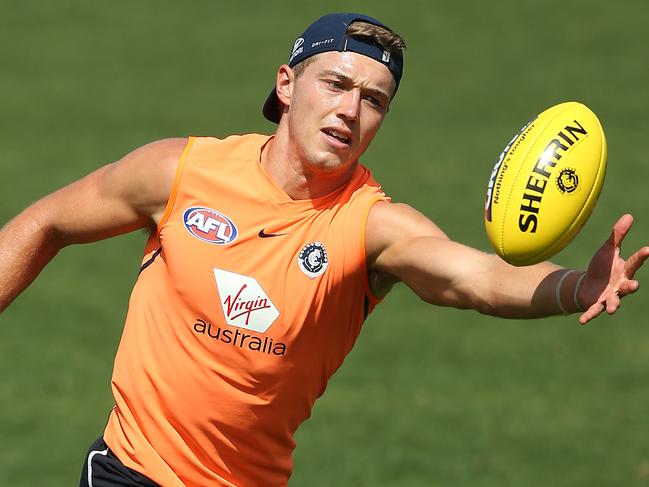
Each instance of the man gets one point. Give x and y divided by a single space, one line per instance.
265 256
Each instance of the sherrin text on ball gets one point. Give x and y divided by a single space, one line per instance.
545 184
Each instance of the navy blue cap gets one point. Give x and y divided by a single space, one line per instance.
329 33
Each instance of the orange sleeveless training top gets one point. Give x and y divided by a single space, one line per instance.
246 304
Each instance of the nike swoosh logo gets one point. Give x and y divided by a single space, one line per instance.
263 234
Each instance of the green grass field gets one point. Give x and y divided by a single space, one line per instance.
429 396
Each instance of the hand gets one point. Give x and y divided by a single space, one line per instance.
609 277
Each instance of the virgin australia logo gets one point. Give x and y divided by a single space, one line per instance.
244 302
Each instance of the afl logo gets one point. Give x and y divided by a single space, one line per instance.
313 260
209 225
567 181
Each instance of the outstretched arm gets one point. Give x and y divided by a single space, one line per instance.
115 199
403 245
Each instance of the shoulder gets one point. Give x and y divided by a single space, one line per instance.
391 226
232 142
144 177
389 223
158 153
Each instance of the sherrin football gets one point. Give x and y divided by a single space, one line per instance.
545 184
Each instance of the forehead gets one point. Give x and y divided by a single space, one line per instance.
359 68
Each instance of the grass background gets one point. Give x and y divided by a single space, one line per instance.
429 396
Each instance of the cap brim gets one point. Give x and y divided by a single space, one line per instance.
271 108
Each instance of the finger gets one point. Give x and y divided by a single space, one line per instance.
629 287
591 313
620 229
612 303
634 262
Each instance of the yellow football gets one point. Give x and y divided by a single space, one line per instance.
545 184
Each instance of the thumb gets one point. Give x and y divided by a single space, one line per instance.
620 229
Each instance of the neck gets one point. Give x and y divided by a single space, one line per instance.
295 177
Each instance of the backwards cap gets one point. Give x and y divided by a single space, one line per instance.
329 33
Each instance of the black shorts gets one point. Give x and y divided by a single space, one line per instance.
102 468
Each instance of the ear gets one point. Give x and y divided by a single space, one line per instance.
284 84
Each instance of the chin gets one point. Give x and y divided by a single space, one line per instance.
330 163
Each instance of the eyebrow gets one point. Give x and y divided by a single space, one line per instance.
344 77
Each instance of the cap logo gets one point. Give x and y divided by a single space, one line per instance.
297 48
322 42
385 57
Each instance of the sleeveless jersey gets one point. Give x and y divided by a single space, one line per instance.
246 304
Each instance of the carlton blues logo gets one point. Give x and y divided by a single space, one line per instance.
209 225
567 181
313 260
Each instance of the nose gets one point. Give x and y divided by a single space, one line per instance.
349 106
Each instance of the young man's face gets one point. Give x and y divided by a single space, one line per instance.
336 107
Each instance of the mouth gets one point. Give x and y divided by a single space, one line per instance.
339 138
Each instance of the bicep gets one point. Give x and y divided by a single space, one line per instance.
404 245
440 271
116 198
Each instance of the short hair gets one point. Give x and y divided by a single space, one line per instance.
384 37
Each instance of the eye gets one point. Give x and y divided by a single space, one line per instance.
334 85
375 102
